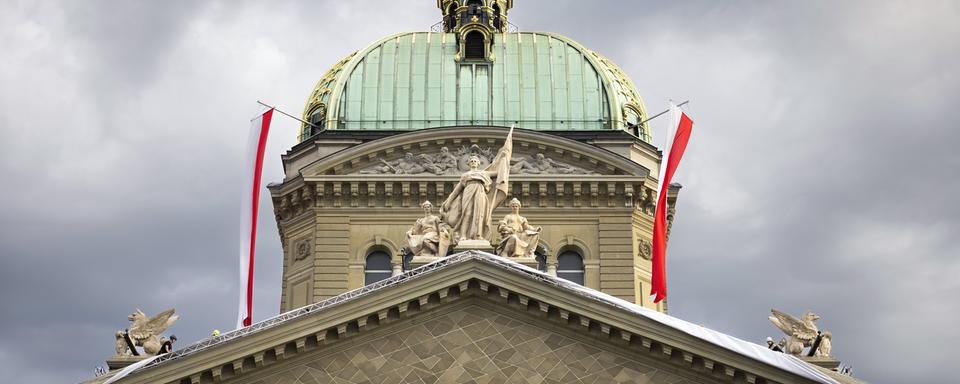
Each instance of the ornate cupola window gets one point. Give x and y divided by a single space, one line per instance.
475 22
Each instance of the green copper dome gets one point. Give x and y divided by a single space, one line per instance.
417 80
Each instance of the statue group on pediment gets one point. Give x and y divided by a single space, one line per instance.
430 235
447 162
465 215
517 237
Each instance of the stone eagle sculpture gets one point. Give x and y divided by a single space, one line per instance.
802 332
145 331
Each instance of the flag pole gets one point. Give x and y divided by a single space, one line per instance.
640 123
297 118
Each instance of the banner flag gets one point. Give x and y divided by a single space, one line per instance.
250 200
668 166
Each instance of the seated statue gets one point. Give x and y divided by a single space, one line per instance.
429 236
517 237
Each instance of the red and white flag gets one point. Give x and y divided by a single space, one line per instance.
250 200
682 126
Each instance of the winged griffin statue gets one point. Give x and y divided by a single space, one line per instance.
803 333
144 332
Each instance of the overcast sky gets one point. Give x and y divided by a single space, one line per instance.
822 175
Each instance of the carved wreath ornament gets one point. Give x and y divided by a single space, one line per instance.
645 249
303 250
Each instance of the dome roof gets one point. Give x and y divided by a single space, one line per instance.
536 80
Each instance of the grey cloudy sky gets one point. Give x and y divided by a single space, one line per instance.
822 173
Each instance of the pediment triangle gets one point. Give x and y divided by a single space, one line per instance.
476 331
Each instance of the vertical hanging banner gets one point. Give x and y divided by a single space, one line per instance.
682 126
250 200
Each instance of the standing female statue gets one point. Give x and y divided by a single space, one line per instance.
468 208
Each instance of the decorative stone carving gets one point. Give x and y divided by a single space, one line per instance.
469 207
541 164
517 237
644 249
302 250
447 162
803 333
441 163
429 236
466 152
121 345
408 165
826 345
649 202
144 332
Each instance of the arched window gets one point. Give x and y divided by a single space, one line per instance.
377 268
318 118
632 119
570 266
474 46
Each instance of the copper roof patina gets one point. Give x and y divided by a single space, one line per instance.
535 80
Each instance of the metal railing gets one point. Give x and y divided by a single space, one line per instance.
438 27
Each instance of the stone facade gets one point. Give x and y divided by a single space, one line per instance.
474 343
347 194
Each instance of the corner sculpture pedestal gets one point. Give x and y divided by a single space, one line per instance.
120 362
828 362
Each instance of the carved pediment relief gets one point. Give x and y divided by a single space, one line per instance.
447 162
445 151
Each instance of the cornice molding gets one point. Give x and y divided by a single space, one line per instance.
467 279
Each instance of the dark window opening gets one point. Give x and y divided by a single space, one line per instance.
474 46
570 267
540 254
473 7
450 22
318 119
406 258
497 23
377 267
